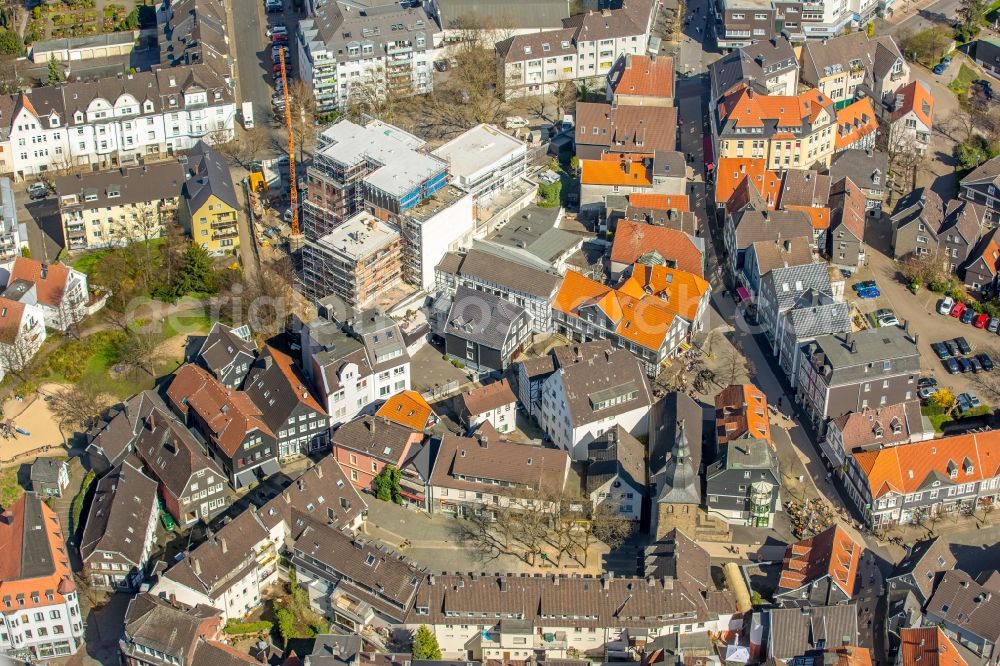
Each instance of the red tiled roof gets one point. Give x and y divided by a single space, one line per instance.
927 646
917 98
855 122
644 77
21 580
489 397
741 409
832 552
678 202
49 288
732 171
408 409
11 316
634 239
749 109
630 173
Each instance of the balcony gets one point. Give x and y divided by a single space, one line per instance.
226 234
224 222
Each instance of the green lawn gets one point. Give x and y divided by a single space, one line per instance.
10 490
992 10
86 263
965 77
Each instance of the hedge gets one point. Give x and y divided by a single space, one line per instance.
234 628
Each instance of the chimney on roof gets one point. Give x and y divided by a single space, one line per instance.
45 270
319 471
196 566
267 362
223 545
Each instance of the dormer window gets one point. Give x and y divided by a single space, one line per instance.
54 121
78 117
114 192
147 107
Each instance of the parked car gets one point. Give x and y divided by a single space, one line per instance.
926 382
953 349
871 292
946 304
963 345
940 349
976 365
967 316
866 284
927 392
967 401
994 325
886 317
942 66
952 366
964 364
958 309
38 190
986 362
980 320
277 29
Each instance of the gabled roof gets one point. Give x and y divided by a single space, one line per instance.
794 631
855 122
744 108
322 490
733 171
120 510
850 207
222 346
626 129
209 175
642 76
925 562
228 414
634 240
908 468
588 379
168 626
655 201
615 455
50 280
408 409
987 173
482 317
741 409
966 605
833 552
880 426
987 250
862 167
377 438
487 398
780 254
473 463
927 646
33 559
915 97
757 225
277 387
752 65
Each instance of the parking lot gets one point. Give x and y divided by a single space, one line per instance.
919 312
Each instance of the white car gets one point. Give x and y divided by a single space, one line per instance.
945 306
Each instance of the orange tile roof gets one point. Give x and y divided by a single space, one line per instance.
749 109
616 172
49 571
678 291
645 77
634 239
833 552
408 409
927 646
917 98
678 202
296 381
851 655
732 171
905 468
741 409
11 316
49 288
854 122
643 308
819 216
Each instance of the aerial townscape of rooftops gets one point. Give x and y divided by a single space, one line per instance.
521 333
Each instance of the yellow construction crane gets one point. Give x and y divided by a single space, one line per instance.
293 194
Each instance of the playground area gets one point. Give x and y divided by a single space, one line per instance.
28 427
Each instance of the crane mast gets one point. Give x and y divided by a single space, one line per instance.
293 194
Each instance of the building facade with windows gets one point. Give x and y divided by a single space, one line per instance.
114 120
39 603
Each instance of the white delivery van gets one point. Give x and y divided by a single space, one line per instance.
247 113
515 122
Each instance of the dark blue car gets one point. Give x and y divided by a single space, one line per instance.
952 365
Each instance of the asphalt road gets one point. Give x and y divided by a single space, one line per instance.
942 12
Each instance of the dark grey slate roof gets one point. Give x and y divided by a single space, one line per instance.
616 370
119 514
46 470
221 347
860 166
681 483
769 225
616 454
752 64
794 631
816 313
335 650
278 387
168 627
790 283
509 15
674 408
482 317
208 175
510 268
848 354
114 438
926 561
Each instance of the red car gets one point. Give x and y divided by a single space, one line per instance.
958 309
981 320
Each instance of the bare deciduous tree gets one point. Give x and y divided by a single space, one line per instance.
138 352
79 404
16 355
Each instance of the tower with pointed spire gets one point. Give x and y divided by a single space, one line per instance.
679 495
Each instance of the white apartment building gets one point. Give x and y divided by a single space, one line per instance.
347 51
494 403
115 120
13 234
584 399
586 47
355 366
118 207
57 290
40 612
484 160
432 228
22 333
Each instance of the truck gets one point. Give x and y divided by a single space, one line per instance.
246 111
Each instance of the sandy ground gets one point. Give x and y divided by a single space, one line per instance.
32 415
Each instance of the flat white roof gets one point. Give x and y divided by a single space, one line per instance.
479 149
359 237
403 167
